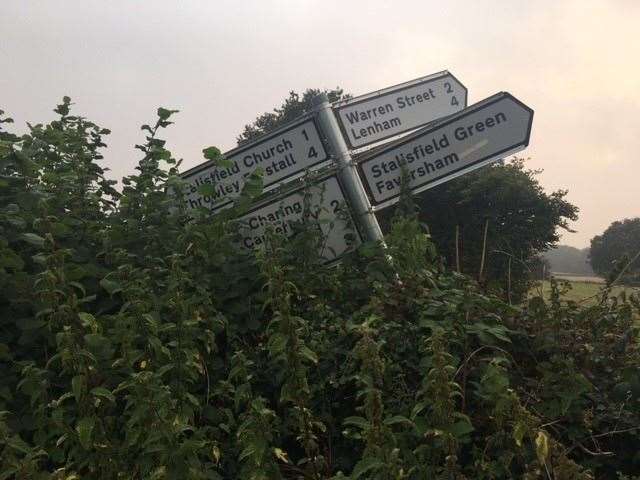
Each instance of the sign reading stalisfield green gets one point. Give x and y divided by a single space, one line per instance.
480 134
383 114
328 210
281 155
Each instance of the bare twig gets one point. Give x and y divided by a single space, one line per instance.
476 351
484 249
458 248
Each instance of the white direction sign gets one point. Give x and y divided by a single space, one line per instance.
383 114
480 134
282 155
328 206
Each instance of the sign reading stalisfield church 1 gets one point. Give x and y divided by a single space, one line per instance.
480 134
328 209
383 114
281 155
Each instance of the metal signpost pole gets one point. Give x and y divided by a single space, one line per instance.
347 170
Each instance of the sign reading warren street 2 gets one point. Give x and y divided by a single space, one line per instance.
328 207
480 134
383 114
281 155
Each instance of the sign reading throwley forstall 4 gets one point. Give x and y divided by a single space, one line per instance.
327 202
480 134
383 114
282 155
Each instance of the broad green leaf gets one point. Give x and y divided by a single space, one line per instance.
103 393
99 345
247 452
396 419
88 321
212 153
542 447
110 286
33 239
165 113
366 465
359 422
308 354
460 429
206 189
277 343
253 184
519 431
85 430
78 385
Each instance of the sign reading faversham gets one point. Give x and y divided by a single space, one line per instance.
282 155
480 134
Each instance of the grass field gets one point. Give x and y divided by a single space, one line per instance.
581 291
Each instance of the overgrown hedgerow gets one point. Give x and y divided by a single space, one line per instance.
139 342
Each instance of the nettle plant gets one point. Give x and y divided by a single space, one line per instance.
137 341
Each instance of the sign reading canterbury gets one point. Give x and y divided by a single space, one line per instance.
480 134
383 114
281 155
328 207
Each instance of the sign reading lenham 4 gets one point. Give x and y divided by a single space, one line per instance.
482 133
327 201
282 154
383 114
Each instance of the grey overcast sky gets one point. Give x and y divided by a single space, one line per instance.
575 62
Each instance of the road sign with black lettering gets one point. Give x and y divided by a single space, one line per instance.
329 213
480 134
281 155
386 113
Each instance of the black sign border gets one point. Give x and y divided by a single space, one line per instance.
355 101
465 113
316 181
242 148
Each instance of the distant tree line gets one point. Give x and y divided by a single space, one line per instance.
566 259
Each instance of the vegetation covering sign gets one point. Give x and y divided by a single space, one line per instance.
324 203
281 155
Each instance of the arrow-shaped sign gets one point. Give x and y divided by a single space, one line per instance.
281 155
480 134
394 110
327 206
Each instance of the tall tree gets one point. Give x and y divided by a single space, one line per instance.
292 107
615 248
502 219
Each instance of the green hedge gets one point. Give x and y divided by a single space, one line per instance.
137 342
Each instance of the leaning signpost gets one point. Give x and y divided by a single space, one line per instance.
448 140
